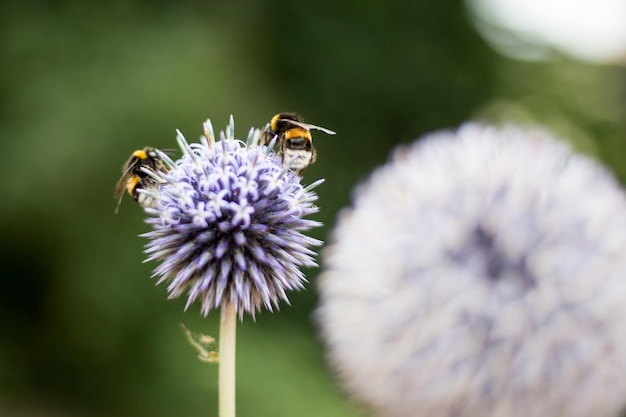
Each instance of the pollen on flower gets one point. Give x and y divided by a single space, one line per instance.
228 224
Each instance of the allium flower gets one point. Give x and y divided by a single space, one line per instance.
481 273
228 224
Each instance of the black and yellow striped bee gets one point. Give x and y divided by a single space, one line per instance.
294 138
134 178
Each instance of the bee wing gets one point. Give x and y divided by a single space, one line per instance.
120 185
322 129
118 193
119 202
309 127
120 188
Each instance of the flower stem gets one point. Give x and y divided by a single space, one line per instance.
226 373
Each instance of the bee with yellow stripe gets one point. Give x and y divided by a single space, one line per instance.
134 178
294 139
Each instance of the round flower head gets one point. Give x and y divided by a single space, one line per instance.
481 273
228 223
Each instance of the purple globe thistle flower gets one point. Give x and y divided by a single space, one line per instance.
481 272
228 222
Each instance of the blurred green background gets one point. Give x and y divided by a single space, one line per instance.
85 332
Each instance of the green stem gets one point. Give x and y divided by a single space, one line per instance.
226 373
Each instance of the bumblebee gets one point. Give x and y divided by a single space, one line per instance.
134 178
294 138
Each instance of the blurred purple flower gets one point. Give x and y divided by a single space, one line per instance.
481 273
227 227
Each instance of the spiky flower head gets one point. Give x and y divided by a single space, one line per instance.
228 223
481 273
